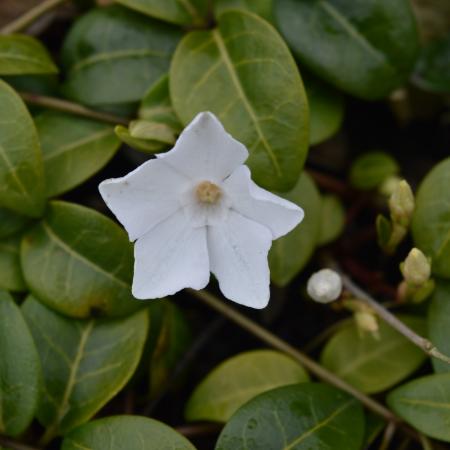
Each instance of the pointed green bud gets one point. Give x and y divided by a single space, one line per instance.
401 203
416 268
366 321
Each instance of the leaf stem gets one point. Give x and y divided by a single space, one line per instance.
275 342
15 445
72 108
426 345
387 436
30 16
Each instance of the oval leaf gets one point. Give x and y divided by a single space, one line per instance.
85 362
73 149
425 404
373 364
261 7
20 371
20 54
79 262
237 380
364 47
126 432
439 323
302 417
289 254
181 12
142 145
243 72
332 219
112 55
11 278
11 223
21 171
431 220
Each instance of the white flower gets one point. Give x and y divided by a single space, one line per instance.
324 286
194 210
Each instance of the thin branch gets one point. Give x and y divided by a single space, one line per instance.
426 443
388 434
199 429
15 445
426 345
30 16
275 342
72 108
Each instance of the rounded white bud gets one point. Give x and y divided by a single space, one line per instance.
416 268
324 286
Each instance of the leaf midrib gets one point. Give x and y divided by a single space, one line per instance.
13 171
36 62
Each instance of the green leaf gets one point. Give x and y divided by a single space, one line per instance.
289 254
302 417
172 336
432 71
85 362
143 145
364 47
21 170
21 54
112 55
237 380
261 7
332 221
153 131
126 432
326 108
374 364
439 323
242 71
369 170
374 426
425 404
181 12
11 223
73 149
384 230
20 371
431 220
11 278
79 262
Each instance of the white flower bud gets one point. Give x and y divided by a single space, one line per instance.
401 202
324 286
416 268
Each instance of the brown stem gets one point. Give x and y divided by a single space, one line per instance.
388 434
199 429
15 445
30 16
72 108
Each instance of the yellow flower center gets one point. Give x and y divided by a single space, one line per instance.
208 192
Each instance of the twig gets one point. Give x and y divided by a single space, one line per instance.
387 436
30 16
426 443
199 429
275 342
423 343
15 445
72 108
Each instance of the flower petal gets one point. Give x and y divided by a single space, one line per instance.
205 151
144 197
247 198
238 251
170 257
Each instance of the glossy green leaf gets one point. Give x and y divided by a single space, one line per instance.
332 219
181 12
364 47
11 278
85 362
369 170
79 262
126 433
20 371
11 223
433 67
153 131
237 380
261 7
326 109
289 254
21 54
143 145
431 220
21 170
113 55
373 364
299 417
374 426
425 404
172 336
242 71
439 323
73 149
